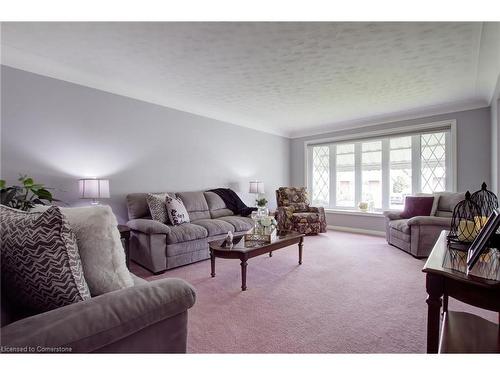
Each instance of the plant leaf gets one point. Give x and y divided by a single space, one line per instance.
43 194
28 181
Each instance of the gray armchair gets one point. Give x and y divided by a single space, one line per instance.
418 234
150 317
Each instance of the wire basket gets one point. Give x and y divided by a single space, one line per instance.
467 221
485 199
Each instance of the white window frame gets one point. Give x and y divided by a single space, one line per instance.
413 130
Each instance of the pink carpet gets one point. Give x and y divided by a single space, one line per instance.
352 294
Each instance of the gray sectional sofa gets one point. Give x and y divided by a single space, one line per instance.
418 235
159 247
150 317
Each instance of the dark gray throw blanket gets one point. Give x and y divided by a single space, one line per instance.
233 202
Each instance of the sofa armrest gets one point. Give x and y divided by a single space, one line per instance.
148 226
430 220
392 215
92 324
320 211
284 217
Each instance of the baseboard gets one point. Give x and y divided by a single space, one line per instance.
356 230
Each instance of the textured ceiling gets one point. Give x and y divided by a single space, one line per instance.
284 78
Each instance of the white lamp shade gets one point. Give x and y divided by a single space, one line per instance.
93 188
256 187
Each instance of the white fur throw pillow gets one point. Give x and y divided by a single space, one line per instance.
176 210
100 247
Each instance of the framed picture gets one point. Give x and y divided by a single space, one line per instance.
482 239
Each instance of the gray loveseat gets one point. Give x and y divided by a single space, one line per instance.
418 234
159 247
150 317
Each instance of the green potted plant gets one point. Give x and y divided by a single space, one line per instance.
261 202
25 196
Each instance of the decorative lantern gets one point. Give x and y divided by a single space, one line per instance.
466 221
486 200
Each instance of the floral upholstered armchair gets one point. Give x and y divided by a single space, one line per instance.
295 214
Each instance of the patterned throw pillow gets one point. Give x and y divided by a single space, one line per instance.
177 213
41 267
158 207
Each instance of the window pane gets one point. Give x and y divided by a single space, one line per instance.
321 176
371 173
400 171
433 162
345 175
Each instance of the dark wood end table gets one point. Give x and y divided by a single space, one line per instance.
125 236
241 250
442 283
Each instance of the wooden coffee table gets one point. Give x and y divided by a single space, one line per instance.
245 250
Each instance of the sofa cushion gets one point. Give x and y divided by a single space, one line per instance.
214 226
216 205
305 217
417 206
158 207
435 202
196 204
186 232
41 266
176 211
295 197
100 247
240 223
137 205
400 225
448 201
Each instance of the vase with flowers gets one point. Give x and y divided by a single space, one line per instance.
268 224
262 210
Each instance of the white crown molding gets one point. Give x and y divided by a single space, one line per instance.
391 118
488 61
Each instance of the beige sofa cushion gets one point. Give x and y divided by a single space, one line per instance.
186 232
216 205
400 225
239 223
196 204
214 226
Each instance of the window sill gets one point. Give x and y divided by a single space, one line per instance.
353 212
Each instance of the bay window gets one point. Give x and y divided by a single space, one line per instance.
381 170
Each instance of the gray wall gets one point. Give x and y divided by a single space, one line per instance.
473 157
59 132
495 139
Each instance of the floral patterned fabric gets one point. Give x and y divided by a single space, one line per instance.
295 214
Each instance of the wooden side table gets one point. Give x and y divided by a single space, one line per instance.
460 332
125 236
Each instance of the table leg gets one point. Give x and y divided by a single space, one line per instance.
212 263
270 254
434 285
301 244
243 274
445 303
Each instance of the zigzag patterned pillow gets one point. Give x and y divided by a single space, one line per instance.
41 267
158 207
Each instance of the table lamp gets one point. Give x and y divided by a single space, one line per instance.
92 188
256 187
